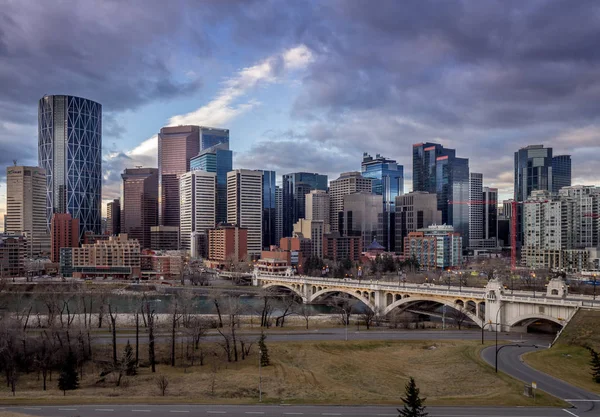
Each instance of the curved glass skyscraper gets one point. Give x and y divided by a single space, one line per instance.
70 150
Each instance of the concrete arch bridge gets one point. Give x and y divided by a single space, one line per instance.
491 307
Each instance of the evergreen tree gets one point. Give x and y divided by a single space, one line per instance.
69 379
129 360
264 351
595 364
413 404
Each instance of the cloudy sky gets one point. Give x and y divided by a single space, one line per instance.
311 85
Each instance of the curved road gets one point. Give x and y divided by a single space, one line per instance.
511 363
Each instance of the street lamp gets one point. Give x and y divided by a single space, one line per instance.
594 299
259 375
497 323
346 320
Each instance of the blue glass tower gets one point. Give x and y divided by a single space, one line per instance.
295 186
218 159
452 181
70 150
561 172
388 181
210 136
269 209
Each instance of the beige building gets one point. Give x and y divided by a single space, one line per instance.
317 207
313 230
244 205
414 211
26 207
347 183
198 205
118 257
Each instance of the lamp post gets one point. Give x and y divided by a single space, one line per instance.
498 323
489 323
346 320
594 299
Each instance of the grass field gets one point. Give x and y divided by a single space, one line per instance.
568 359
366 372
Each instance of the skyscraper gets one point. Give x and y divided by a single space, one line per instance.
177 145
363 216
347 183
113 217
140 203
218 159
475 204
198 205
245 203
424 165
26 207
70 151
388 181
533 171
211 136
452 182
318 207
295 186
278 214
561 172
269 209
414 211
490 215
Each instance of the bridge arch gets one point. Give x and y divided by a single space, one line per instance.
533 317
353 293
287 286
448 303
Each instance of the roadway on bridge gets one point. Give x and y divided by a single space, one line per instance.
510 362
278 411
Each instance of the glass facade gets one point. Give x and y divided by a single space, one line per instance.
139 193
295 186
388 181
219 159
424 165
70 150
452 182
269 209
561 172
210 136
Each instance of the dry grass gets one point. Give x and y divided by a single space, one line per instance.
566 362
583 329
11 414
366 372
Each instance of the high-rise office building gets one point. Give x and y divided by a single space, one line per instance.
561 172
533 171
212 136
434 247
26 207
278 214
347 183
388 181
218 159
12 255
475 205
318 207
452 182
64 233
177 145
424 165
269 209
245 205
198 209
313 230
113 217
70 151
490 215
414 211
295 186
363 216
140 203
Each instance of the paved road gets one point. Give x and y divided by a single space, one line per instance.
510 362
340 334
278 411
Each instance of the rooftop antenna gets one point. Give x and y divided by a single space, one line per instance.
15 162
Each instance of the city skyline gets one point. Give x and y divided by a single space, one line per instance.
288 95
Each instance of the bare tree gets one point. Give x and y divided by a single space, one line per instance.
216 297
267 307
162 382
287 309
345 306
113 328
459 315
368 315
150 321
305 311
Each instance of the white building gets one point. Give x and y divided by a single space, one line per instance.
198 210
347 183
278 214
244 205
313 230
26 207
317 207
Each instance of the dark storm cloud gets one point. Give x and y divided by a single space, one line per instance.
483 77
111 52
